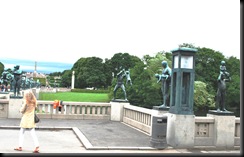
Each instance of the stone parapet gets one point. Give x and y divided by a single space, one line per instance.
181 130
117 110
224 130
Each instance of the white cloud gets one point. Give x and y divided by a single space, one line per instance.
64 30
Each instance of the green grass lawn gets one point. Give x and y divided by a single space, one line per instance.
76 97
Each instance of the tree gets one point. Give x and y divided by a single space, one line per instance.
108 73
89 72
123 60
201 96
233 87
78 68
145 92
155 66
1 68
66 78
189 45
207 67
55 74
155 63
207 71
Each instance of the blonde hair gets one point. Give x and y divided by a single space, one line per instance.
30 97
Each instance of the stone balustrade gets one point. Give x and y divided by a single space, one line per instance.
74 110
138 117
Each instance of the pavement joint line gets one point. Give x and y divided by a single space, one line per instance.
37 128
129 148
122 148
82 138
9 127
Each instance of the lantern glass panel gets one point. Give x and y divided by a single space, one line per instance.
187 62
176 61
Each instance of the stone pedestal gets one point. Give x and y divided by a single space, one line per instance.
117 107
224 129
14 106
4 95
36 92
180 130
158 110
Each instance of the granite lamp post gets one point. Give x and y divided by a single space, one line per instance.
181 120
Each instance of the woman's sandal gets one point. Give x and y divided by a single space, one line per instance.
18 148
36 150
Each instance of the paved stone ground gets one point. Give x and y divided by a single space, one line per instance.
102 137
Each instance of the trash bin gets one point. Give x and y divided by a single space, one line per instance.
159 130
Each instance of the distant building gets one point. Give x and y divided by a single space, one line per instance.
38 75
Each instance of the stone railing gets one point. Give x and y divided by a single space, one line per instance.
237 131
134 116
137 117
4 103
74 110
140 118
204 130
4 108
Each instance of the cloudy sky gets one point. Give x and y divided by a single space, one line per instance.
66 30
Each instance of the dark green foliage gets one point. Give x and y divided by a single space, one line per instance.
207 70
55 74
89 72
143 92
66 78
123 61
233 87
201 96
117 63
207 67
233 92
108 73
1 68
